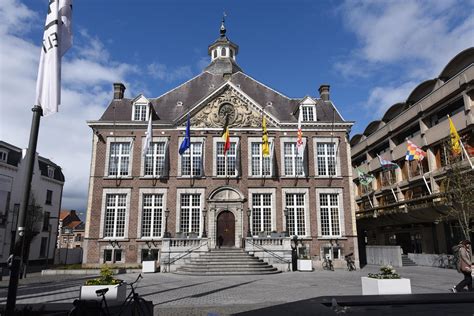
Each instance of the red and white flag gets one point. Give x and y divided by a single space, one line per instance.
57 39
300 144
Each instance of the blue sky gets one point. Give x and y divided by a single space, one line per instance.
372 53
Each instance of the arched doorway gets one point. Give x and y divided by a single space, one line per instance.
226 229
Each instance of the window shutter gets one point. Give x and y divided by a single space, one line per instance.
166 167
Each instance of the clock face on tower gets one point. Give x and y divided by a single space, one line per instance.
227 110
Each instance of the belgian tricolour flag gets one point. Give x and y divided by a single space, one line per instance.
225 135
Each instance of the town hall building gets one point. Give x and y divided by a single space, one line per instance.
172 208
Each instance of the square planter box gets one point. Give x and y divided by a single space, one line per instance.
115 295
372 286
305 265
149 266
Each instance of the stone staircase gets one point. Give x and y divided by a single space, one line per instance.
226 261
407 262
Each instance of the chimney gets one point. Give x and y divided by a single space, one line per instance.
324 92
119 89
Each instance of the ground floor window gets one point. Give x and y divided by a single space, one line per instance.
112 255
150 254
190 213
295 205
332 253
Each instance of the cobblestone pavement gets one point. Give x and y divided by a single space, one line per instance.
174 294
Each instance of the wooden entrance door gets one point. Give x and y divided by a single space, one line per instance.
225 229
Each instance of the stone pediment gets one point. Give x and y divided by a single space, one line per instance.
232 104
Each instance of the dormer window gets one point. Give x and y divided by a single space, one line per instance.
50 172
308 113
3 155
231 53
215 53
223 52
139 112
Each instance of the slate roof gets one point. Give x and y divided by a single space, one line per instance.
198 88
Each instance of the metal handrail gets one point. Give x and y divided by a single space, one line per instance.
185 254
271 253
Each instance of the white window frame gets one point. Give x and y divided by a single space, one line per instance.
111 140
164 193
294 156
166 153
203 157
335 140
340 197
217 140
134 111
253 140
304 191
51 172
311 116
272 193
127 192
108 247
3 155
179 192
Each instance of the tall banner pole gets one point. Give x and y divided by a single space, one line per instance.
17 258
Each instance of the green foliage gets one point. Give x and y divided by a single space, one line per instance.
386 272
106 277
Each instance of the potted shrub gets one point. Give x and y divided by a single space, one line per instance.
388 281
304 262
117 288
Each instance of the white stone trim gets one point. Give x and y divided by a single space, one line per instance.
118 139
202 192
340 198
290 139
271 142
219 139
141 100
106 191
272 191
193 140
336 141
307 216
142 191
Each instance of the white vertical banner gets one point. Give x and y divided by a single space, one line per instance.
300 142
149 132
57 39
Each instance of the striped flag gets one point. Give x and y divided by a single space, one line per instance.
300 141
364 178
265 145
57 39
387 164
414 152
225 135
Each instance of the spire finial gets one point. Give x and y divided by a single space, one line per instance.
223 30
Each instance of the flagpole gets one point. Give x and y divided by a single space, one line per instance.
465 152
18 249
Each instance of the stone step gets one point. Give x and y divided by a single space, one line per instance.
233 268
243 261
206 257
218 265
208 273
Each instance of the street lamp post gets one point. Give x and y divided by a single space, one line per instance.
204 233
166 234
249 212
287 233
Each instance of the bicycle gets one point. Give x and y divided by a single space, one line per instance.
327 264
134 304
350 262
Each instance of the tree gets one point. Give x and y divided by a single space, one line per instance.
458 192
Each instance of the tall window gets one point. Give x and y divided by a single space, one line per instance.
261 166
191 160
152 215
295 205
308 113
119 159
326 153
329 208
115 210
49 197
155 159
140 112
190 213
226 164
43 247
46 217
293 162
261 212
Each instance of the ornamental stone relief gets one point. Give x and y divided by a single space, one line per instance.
229 104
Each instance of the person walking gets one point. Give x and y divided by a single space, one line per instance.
464 266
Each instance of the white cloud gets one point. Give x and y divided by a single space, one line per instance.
64 137
163 72
403 43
